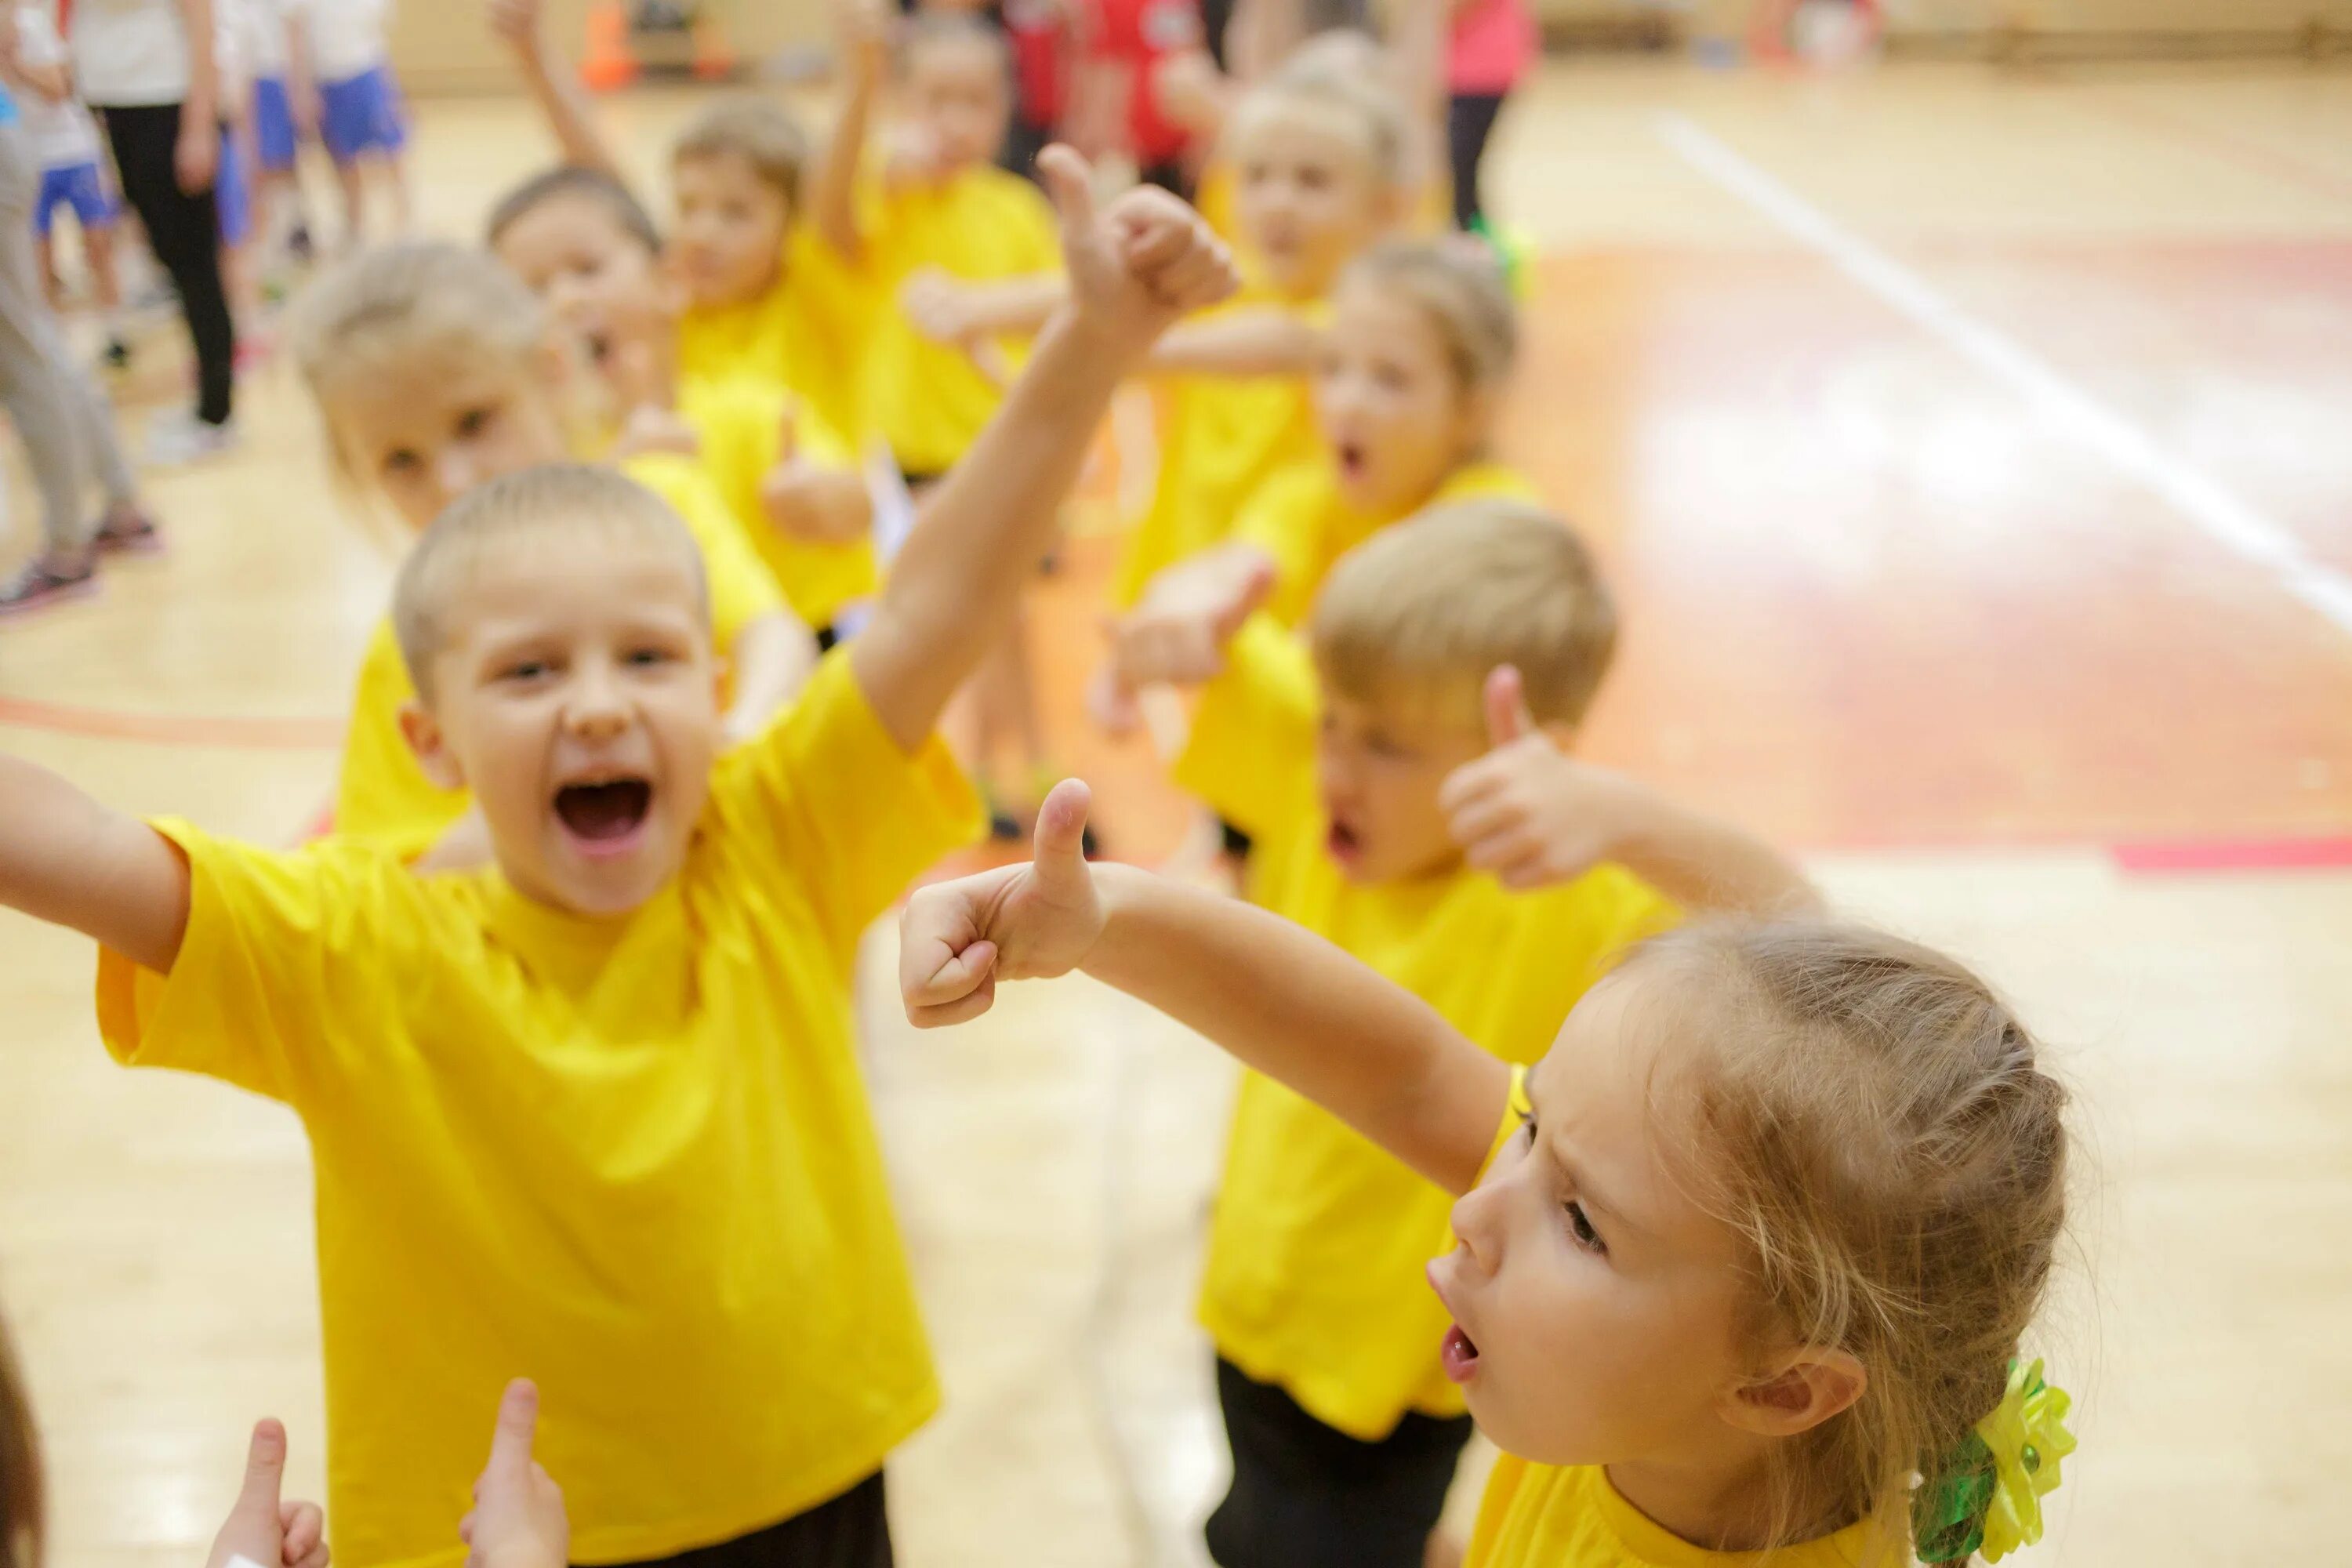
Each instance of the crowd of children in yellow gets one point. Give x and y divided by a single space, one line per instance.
1748 1214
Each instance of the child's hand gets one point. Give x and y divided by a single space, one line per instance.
196 156
1138 265
956 941
938 306
519 1521
1526 811
1177 635
262 1527
865 28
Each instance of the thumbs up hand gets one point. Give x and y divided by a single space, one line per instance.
519 1520
1139 263
262 1527
956 941
1529 812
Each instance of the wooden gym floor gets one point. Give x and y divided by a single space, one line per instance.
1970 449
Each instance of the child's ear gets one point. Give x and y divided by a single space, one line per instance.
423 733
1810 1387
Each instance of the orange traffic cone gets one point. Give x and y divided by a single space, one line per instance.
608 64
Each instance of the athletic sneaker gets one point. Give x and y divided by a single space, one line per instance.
36 587
129 531
176 439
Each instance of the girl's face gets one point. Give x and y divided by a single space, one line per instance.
599 280
429 433
1391 409
1307 197
956 92
1596 1302
729 240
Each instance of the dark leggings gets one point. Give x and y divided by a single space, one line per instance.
852 1531
185 233
1469 120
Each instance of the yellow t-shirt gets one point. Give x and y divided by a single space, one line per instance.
740 426
983 226
805 334
1544 1516
629 1157
382 794
1297 517
1221 438
1315 1253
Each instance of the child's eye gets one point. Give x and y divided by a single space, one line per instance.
527 669
646 658
402 464
1580 1226
472 423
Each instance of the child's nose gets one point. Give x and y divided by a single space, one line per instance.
1477 1224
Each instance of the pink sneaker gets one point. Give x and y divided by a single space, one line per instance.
130 533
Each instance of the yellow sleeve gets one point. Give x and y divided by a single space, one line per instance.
1250 754
1289 518
382 796
742 590
279 948
831 801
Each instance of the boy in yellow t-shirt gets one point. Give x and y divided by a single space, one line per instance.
1339 756
941 217
766 300
591 1113
579 240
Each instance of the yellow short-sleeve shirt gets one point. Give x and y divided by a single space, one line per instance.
629 1156
805 334
980 226
1300 518
740 426
1547 1516
1313 1279
1221 438
382 793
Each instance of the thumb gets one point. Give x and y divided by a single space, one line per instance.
1060 858
1069 180
510 1441
1507 718
264 1469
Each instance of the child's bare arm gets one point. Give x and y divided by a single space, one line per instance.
1240 343
866 52
772 658
957 583
1177 635
67 859
949 311
1537 817
1277 997
555 85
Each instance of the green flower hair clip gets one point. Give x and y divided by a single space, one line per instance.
1987 1495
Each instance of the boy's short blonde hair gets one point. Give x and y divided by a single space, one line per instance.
763 133
578 501
410 298
1459 288
1422 613
1373 108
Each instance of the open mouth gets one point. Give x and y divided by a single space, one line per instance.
604 817
1354 460
1458 1355
1344 843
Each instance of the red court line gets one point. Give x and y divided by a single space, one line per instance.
233 732
2235 855
2246 154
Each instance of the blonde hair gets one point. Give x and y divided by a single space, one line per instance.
1460 290
577 501
410 300
762 134
21 1517
1427 609
1375 111
1875 1124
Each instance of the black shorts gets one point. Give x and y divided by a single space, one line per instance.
852 1531
1305 1496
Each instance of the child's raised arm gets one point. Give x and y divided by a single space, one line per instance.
555 87
866 52
956 581
66 859
1277 997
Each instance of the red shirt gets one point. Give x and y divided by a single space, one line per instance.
1140 34
1041 62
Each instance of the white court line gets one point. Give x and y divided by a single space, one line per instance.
2130 449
